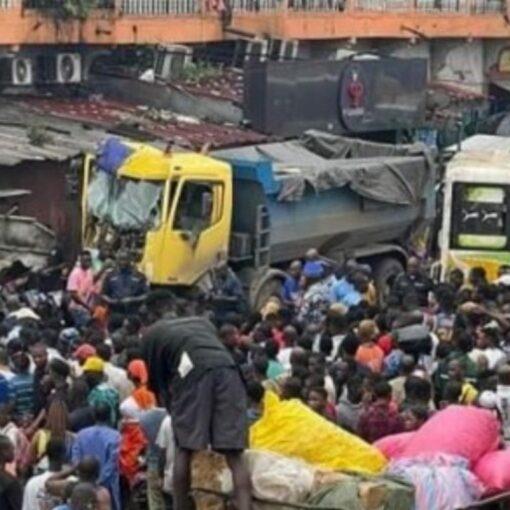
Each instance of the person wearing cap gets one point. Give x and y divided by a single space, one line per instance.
316 297
141 398
100 392
80 356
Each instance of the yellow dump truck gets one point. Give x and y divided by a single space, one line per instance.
257 208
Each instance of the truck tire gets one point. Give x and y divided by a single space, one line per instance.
265 291
384 275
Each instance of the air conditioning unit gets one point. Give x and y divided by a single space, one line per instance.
170 60
16 71
69 68
250 50
282 49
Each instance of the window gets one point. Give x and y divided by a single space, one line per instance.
479 218
196 209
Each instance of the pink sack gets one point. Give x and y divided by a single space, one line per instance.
393 446
468 432
493 470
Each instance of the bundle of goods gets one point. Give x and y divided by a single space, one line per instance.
290 481
285 424
451 460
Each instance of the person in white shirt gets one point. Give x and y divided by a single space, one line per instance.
115 377
487 342
165 441
503 395
290 337
35 496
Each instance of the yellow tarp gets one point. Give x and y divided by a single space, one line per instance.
290 428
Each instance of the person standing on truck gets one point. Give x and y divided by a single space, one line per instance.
292 284
205 396
413 281
124 288
228 295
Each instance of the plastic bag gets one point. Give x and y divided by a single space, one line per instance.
292 429
442 482
393 446
275 477
111 155
493 470
462 431
363 492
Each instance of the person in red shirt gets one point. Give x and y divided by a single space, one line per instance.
380 418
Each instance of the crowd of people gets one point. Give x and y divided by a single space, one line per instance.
105 393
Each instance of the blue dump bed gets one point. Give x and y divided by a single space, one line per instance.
363 193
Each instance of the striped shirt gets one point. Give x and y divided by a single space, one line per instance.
21 388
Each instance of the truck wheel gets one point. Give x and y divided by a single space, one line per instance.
265 291
385 273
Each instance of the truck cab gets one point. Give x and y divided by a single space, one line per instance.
172 209
475 225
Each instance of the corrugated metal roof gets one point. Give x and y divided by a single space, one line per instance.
146 122
69 127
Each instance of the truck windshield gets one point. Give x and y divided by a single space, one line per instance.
125 203
479 217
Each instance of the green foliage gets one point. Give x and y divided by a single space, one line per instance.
38 136
64 10
200 71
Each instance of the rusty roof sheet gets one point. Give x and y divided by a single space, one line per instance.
74 126
228 85
147 122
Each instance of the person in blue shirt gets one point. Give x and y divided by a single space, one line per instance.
124 288
4 390
292 283
103 443
346 290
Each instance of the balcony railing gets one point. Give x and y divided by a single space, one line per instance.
190 7
9 4
158 7
453 6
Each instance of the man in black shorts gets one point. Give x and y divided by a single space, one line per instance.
203 391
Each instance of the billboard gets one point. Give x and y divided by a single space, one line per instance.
360 95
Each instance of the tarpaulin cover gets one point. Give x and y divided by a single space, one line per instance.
111 154
394 174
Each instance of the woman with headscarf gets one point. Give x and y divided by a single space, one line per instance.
133 440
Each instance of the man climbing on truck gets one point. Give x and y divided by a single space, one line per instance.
206 396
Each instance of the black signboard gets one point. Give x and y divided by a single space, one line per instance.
359 95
